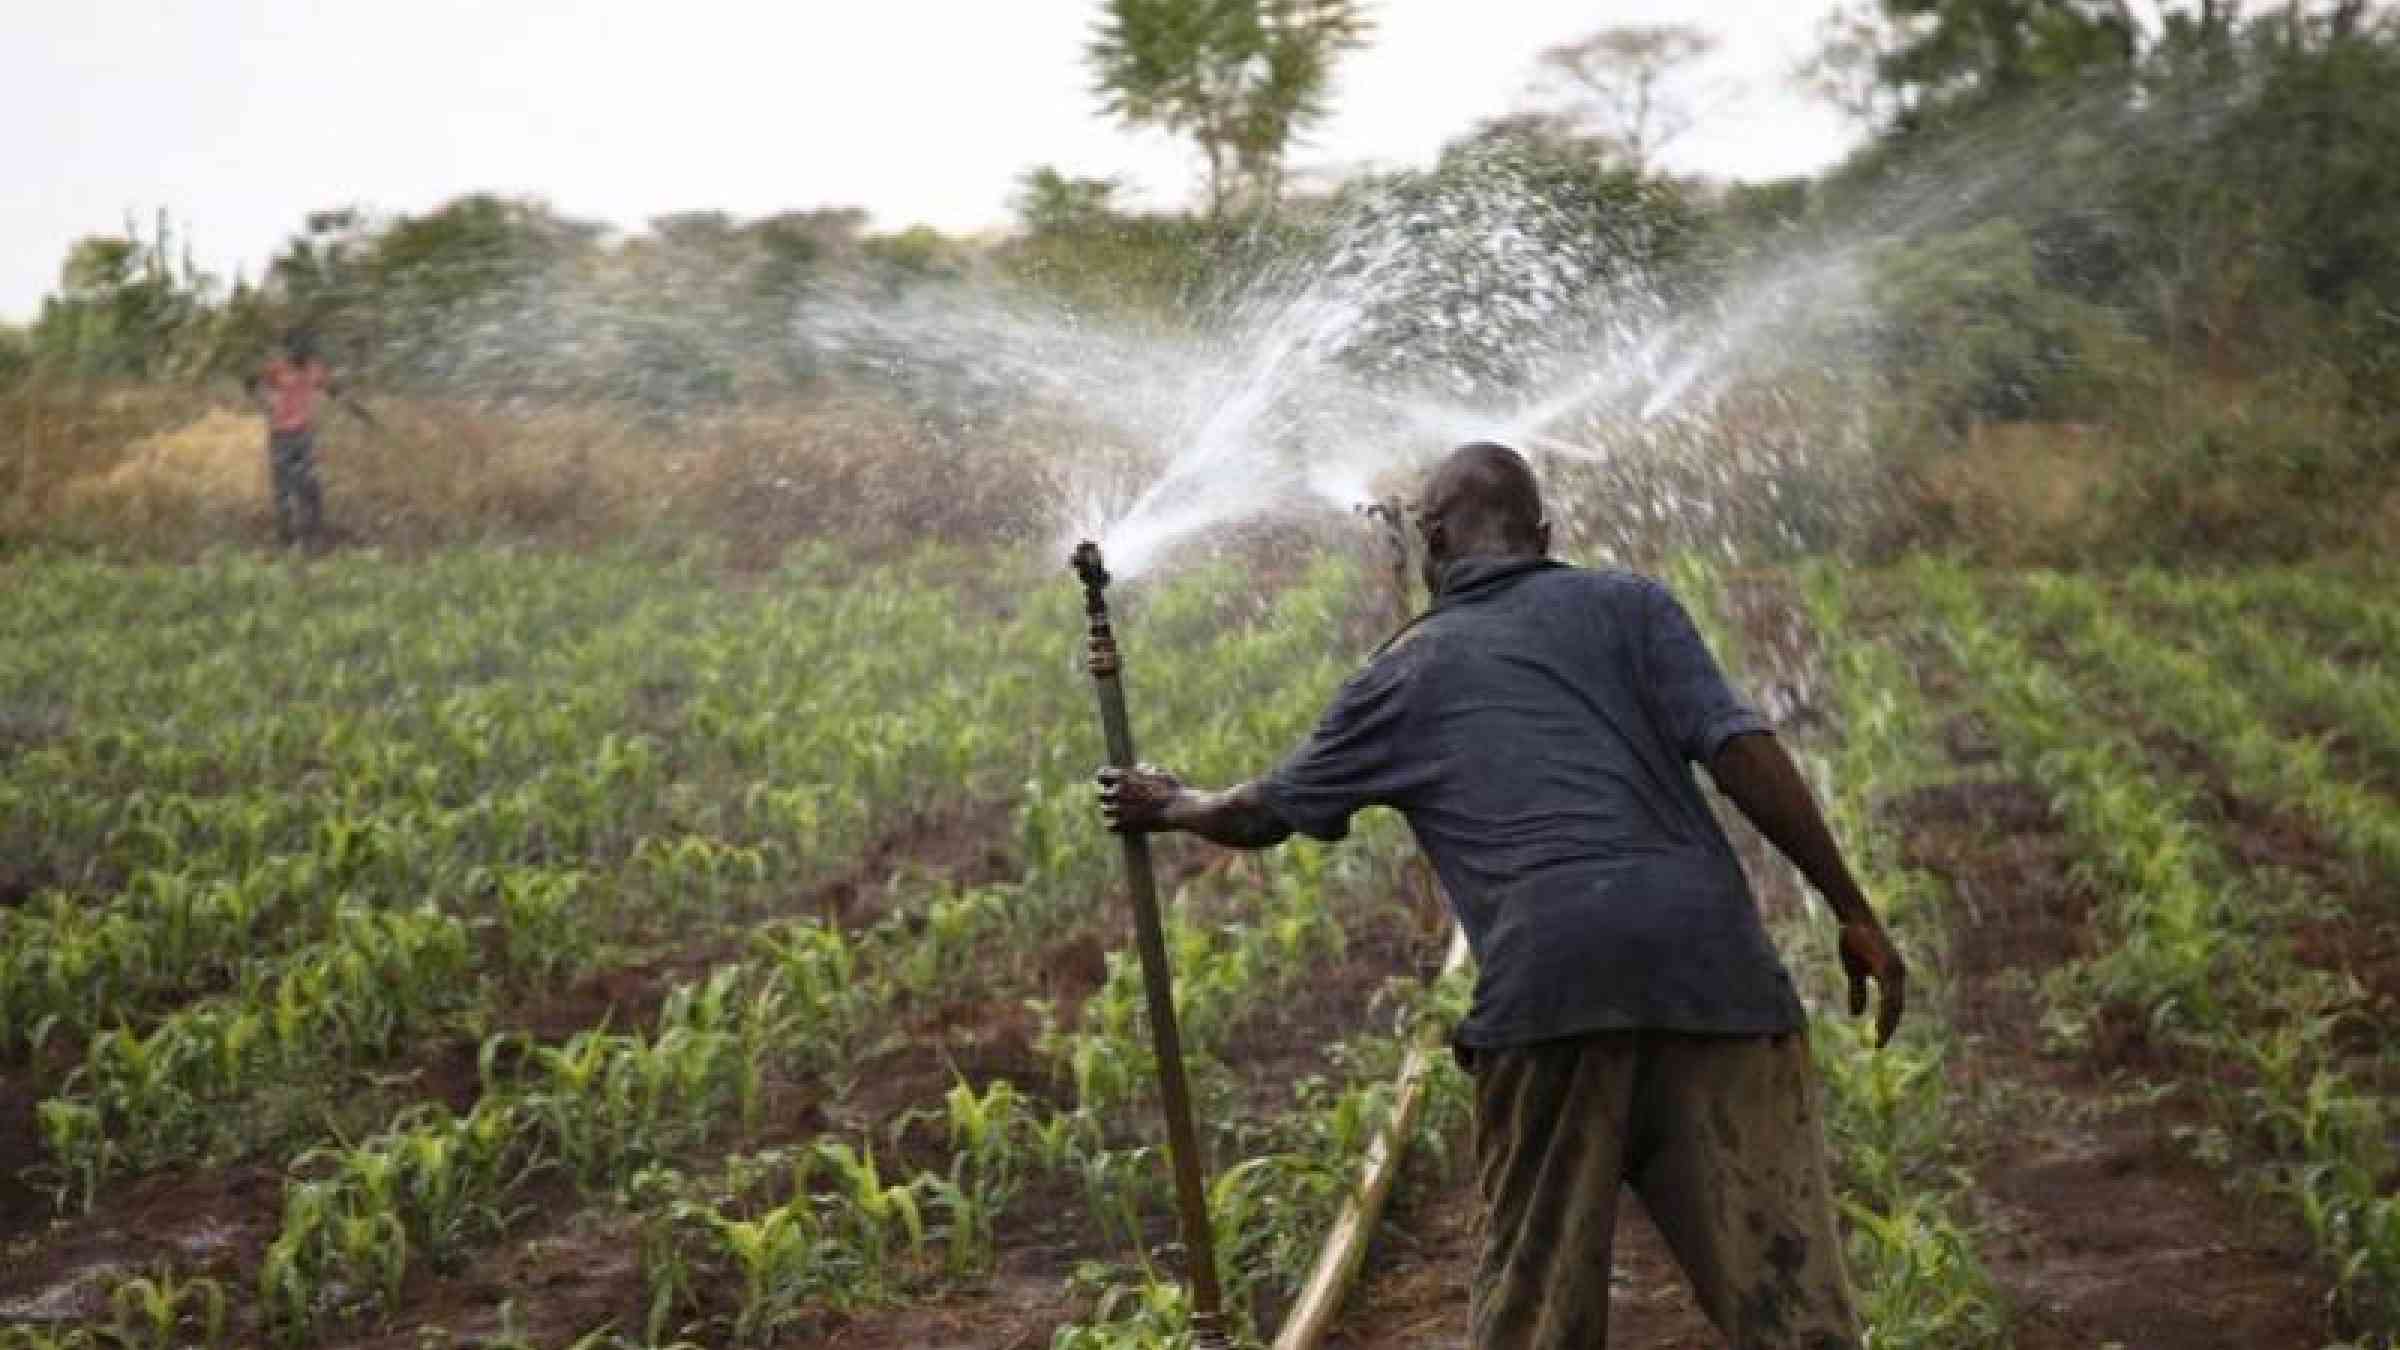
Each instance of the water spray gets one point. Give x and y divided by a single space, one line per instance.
1149 935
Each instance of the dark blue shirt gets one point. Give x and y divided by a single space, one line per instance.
1538 729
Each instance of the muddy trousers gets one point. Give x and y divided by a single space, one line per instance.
1719 1136
299 503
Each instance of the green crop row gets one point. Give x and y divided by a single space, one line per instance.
2180 692
2186 951
142 1099
2326 612
1272 1205
2361 703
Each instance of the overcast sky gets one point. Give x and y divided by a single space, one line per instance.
238 116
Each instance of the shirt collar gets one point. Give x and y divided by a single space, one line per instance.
1475 578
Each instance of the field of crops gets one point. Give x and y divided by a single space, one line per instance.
515 949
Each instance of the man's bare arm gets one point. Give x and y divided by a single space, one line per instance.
1148 800
1756 772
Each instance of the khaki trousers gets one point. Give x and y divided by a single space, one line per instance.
1719 1136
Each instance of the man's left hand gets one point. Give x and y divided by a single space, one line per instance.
1868 954
1135 801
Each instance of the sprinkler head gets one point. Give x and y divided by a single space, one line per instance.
1089 568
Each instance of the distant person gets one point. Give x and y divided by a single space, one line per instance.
293 386
1632 1023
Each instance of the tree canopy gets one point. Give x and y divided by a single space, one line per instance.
1241 78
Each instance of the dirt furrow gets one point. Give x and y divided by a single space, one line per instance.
1412 1294
2098 1225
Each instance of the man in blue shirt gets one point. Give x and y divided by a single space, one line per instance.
1632 1022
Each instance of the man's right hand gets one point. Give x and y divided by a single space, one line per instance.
1868 954
1135 801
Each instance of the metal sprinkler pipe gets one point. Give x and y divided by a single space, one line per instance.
1149 935
1392 517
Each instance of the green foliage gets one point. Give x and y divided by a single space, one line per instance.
1049 202
1965 331
16 355
1240 77
1959 54
128 306
160 1312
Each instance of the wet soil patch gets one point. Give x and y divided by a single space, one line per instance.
622 999
201 1223
2009 868
966 845
21 879
24 1205
574 1270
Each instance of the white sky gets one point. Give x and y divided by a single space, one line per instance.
238 116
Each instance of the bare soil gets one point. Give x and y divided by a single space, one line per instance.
2097 1224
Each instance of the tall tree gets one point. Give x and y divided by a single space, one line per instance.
1951 54
1630 85
1242 78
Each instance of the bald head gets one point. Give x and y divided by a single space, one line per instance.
1482 500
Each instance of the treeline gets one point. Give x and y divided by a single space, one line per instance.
507 299
2174 238
506 294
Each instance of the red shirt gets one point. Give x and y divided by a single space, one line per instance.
293 391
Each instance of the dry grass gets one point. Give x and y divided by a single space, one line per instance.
174 472
2170 469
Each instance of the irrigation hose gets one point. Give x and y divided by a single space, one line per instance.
1183 1150
1345 1248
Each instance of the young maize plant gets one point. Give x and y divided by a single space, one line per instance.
840 1236
160 1312
79 1150
543 916
2184 956
352 998
819 967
